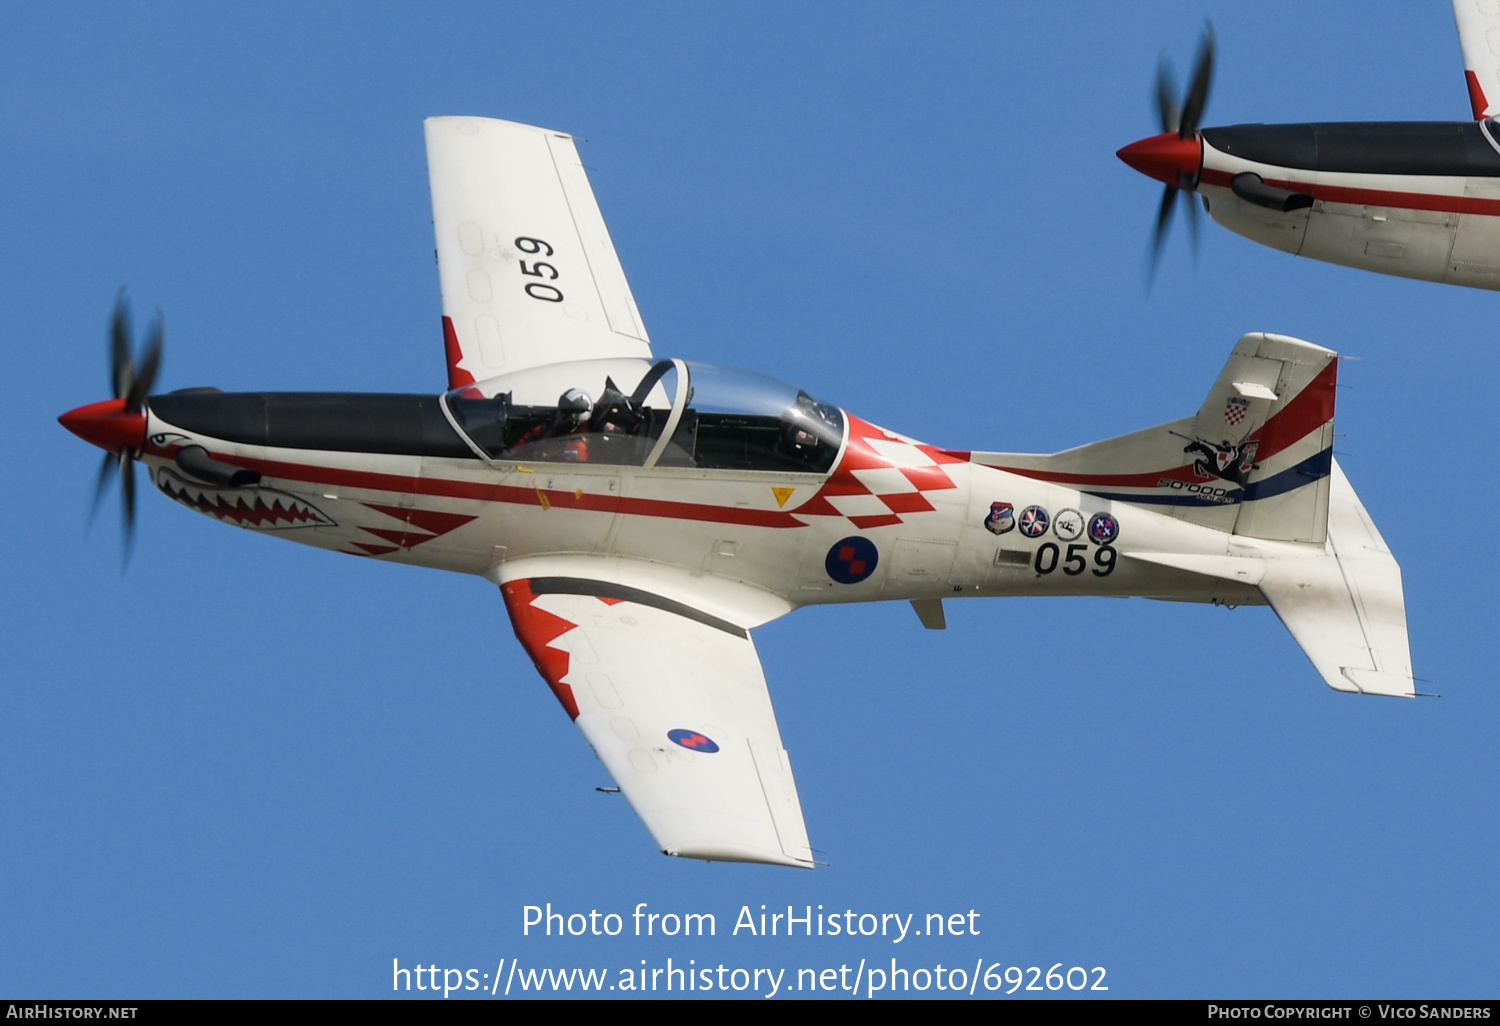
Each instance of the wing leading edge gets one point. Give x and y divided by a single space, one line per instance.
674 703
527 270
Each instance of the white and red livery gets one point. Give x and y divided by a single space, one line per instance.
641 516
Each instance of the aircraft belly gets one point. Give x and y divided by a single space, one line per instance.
1070 562
1344 225
1284 231
1389 240
446 513
1129 579
558 508
269 507
1475 260
735 526
920 568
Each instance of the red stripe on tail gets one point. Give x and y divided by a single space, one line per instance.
1309 410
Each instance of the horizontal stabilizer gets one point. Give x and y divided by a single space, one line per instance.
1346 607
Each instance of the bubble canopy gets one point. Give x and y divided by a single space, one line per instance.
629 412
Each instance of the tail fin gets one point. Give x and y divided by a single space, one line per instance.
1254 461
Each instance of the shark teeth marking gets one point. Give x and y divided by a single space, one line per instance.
261 508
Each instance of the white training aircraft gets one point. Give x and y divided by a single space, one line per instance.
641 515
1418 199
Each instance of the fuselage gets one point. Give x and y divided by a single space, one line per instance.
1414 199
390 477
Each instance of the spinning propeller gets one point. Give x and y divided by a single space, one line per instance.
117 425
1176 156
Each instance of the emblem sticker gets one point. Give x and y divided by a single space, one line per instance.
1069 525
851 560
1001 519
1234 410
1226 460
692 741
1103 529
1034 521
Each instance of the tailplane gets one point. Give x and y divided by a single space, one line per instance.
1346 607
1256 463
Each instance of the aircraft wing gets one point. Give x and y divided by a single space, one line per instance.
1479 40
673 701
527 270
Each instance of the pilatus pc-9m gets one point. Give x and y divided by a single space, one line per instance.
642 515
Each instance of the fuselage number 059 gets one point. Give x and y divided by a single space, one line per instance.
544 289
1075 561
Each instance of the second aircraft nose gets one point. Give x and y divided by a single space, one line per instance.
1167 158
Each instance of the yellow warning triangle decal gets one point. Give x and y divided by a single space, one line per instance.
782 494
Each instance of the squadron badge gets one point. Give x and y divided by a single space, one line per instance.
1069 525
1001 519
1034 521
1103 529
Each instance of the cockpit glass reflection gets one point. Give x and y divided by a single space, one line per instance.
592 420
740 420
619 411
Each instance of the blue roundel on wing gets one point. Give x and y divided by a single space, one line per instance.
692 740
851 560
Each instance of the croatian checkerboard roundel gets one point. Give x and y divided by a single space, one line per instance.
851 560
692 740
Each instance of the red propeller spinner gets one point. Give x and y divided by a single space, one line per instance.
117 425
1168 158
107 424
1175 157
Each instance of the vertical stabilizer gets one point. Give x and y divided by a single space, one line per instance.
1252 461
1287 459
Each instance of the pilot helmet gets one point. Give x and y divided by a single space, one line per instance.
575 404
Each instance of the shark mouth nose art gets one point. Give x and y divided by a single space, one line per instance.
257 507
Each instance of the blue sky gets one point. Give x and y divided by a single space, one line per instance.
245 768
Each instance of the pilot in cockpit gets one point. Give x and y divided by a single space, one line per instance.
614 415
571 423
